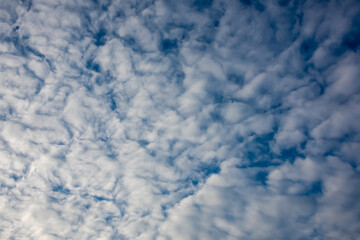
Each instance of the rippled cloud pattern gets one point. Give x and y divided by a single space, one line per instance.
164 119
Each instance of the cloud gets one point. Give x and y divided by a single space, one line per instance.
216 119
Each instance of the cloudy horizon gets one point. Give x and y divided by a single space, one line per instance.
205 119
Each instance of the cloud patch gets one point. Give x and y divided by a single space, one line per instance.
215 119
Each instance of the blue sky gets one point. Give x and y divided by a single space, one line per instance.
205 119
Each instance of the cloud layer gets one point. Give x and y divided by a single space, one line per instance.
205 119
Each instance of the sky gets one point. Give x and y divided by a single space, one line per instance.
183 120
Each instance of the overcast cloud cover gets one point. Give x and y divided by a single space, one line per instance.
205 119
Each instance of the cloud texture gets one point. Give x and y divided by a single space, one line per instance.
205 119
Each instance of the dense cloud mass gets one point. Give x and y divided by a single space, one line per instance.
205 119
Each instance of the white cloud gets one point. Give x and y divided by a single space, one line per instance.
179 120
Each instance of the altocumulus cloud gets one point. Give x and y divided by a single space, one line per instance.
205 119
